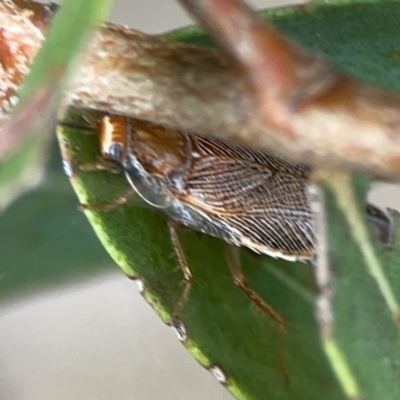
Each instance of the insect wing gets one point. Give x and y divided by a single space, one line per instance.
262 199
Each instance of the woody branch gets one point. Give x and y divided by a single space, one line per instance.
260 89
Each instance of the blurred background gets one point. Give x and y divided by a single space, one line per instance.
72 326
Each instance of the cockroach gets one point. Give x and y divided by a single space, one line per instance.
244 197
247 198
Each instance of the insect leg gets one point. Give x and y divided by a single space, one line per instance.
176 244
120 201
233 259
103 165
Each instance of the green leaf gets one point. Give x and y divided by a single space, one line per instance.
223 328
361 37
366 330
48 214
66 37
24 169
33 119
45 240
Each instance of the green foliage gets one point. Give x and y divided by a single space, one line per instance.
45 240
224 328
365 329
35 115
